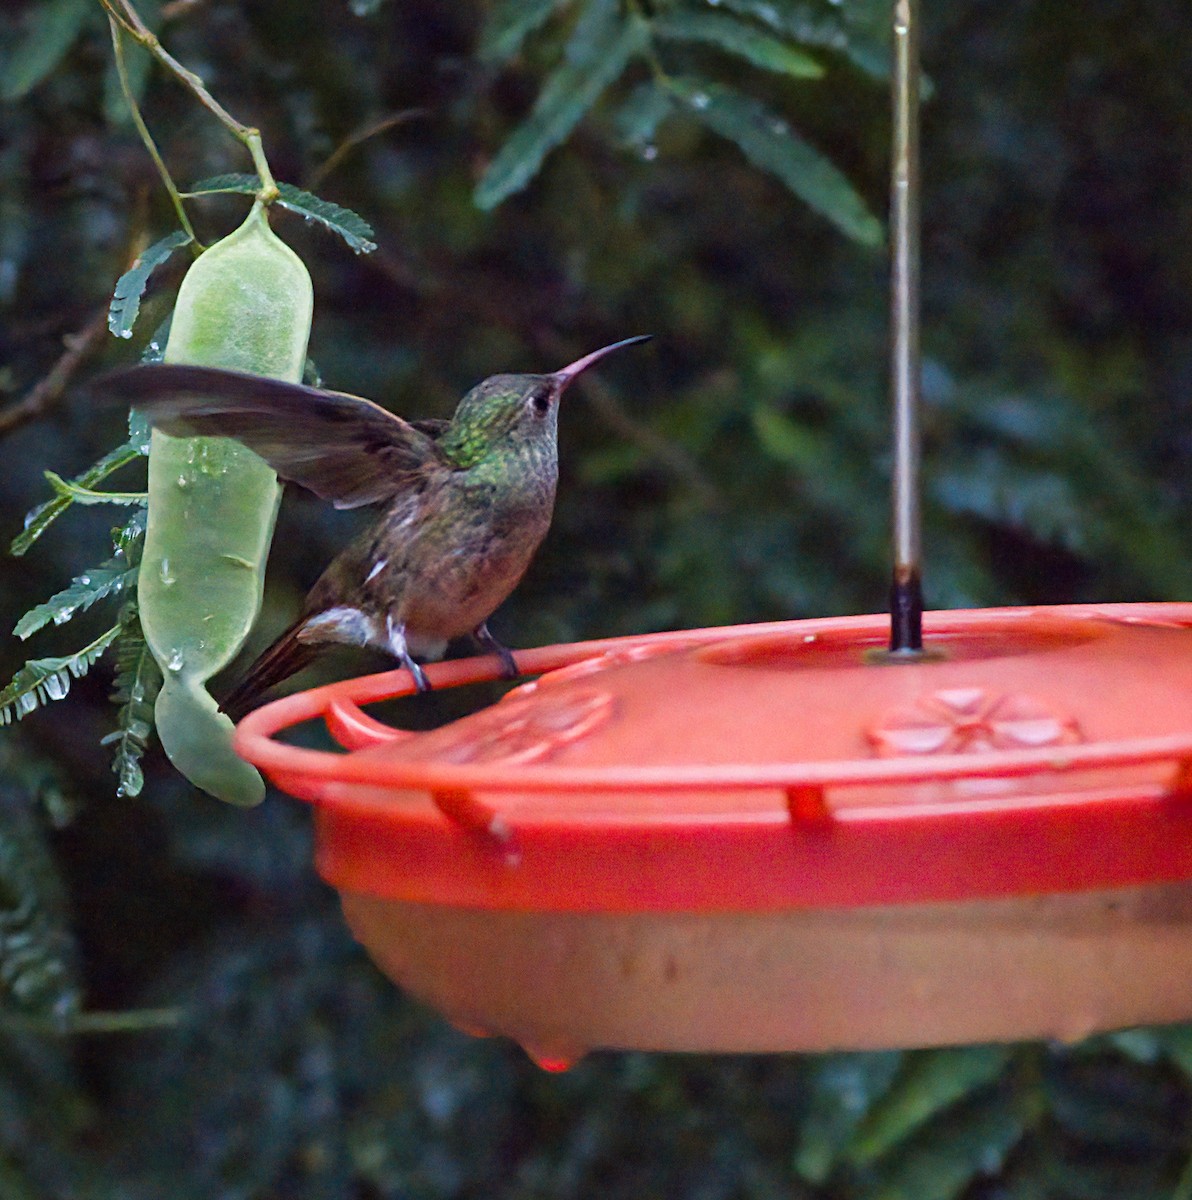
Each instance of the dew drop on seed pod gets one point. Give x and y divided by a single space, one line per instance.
175 662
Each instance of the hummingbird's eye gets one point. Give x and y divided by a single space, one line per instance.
540 402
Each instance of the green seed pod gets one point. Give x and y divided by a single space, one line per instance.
245 304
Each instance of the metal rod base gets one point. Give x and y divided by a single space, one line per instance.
906 614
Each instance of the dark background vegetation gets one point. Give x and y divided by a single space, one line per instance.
733 471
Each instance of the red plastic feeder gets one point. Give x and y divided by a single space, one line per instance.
782 837
773 837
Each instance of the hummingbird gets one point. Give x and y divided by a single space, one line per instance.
464 503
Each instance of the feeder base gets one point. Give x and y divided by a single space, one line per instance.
1059 966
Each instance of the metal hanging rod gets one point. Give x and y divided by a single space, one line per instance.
906 592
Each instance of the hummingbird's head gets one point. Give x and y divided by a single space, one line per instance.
513 410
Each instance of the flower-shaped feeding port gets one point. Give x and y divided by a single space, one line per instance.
776 837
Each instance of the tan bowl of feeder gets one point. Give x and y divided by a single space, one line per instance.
770 837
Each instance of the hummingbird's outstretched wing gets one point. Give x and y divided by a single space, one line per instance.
343 448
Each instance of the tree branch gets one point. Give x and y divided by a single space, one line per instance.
127 17
45 394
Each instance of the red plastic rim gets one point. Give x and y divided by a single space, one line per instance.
1008 767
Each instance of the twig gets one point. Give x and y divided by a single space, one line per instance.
49 390
46 393
134 1020
126 15
350 143
146 137
179 8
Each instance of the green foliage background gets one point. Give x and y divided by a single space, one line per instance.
733 472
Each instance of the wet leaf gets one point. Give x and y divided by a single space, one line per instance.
768 141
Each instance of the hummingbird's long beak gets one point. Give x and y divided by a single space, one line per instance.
569 372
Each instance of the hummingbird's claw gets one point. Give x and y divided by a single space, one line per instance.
398 648
420 680
486 641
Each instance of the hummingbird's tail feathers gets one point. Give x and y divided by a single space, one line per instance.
285 657
343 448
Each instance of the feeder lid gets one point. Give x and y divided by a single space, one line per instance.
762 767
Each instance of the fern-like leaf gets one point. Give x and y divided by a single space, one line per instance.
853 36
770 143
734 36
77 494
138 680
109 579
130 287
44 515
967 1144
44 679
154 352
38 968
1007 493
350 226
841 1091
930 1082
637 120
50 31
509 23
600 48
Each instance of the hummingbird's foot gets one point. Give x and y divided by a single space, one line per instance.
420 680
400 651
486 641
